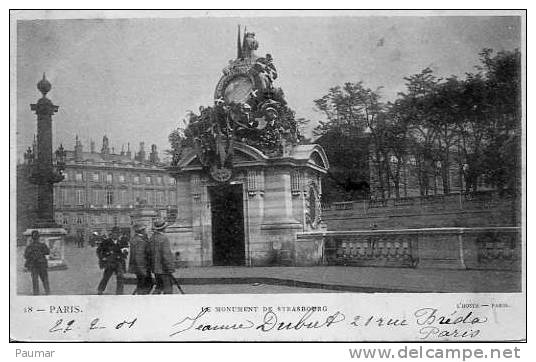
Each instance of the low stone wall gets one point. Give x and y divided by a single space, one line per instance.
483 209
497 248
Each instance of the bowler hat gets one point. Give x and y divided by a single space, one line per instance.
159 225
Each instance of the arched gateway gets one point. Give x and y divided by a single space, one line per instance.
245 185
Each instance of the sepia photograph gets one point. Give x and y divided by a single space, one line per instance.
321 172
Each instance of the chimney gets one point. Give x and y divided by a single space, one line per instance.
153 157
129 154
105 150
141 154
78 149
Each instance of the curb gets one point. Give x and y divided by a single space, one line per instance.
286 283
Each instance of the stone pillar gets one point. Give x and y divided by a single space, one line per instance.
45 175
181 233
43 170
279 227
254 212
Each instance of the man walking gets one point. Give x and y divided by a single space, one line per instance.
36 263
139 260
112 254
162 264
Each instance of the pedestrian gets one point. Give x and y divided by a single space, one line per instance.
37 263
80 241
139 260
161 259
112 254
94 239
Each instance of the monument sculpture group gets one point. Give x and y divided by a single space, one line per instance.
246 186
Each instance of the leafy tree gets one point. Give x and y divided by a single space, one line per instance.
353 117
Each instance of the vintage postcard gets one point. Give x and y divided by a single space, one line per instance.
268 176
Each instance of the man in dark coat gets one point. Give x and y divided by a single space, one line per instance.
139 260
162 264
37 263
112 253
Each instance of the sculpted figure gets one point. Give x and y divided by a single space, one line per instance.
249 45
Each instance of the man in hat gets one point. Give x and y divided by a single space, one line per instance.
162 264
37 263
139 260
112 253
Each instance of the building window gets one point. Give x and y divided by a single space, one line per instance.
149 197
172 198
79 219
109 197
171 181
122 178
80 197
60 197
109 178
95 196
124 197
161 198
159 180
95 177
136 179
66 197
78 177
148 180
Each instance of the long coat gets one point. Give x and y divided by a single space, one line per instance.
160 255
139 255
110 253
35 255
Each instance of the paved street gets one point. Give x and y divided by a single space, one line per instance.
83 275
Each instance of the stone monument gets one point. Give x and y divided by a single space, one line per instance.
245 185
45 172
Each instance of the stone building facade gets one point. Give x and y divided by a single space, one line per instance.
102 188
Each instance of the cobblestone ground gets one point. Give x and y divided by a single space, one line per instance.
83 275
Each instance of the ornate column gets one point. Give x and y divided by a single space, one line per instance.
44 173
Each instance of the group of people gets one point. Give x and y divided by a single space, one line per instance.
150 259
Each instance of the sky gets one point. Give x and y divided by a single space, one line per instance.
135 79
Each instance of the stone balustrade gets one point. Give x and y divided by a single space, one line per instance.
496 248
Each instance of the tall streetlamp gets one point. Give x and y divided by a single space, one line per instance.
45 171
